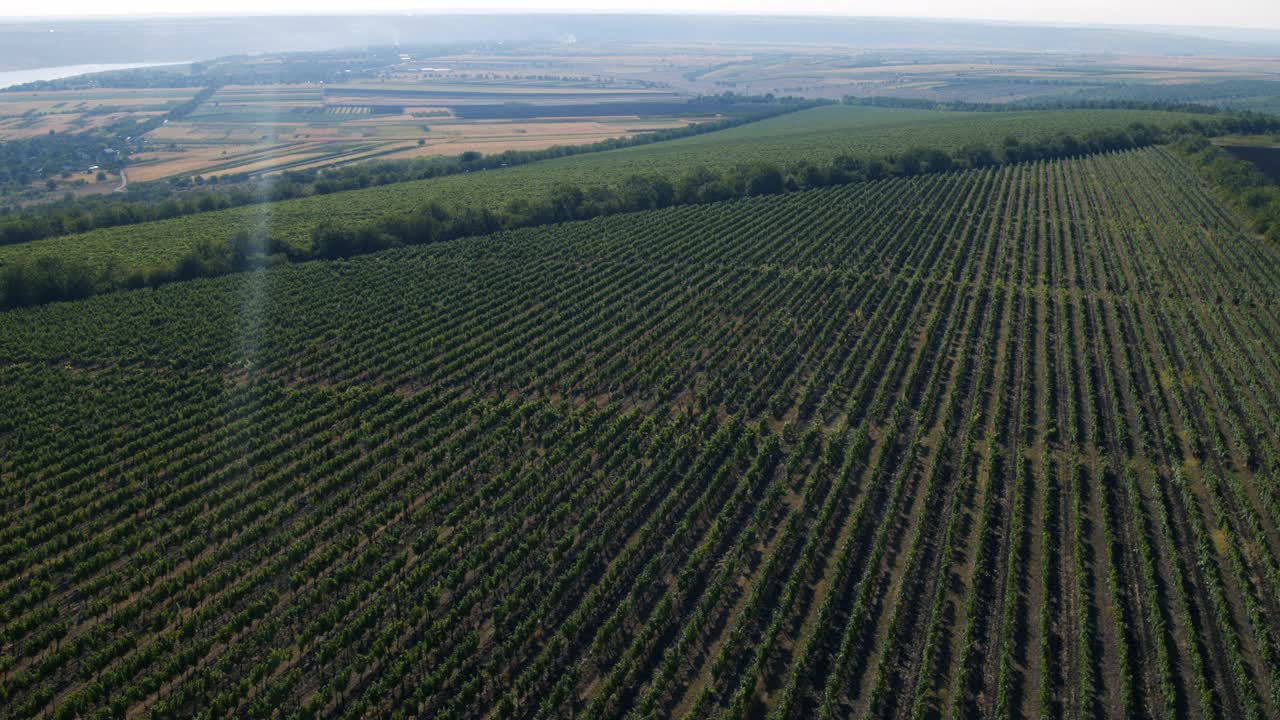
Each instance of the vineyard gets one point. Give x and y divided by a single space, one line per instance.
816 134
1003 442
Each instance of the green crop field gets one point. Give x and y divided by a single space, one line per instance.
999 443
816 134
823 132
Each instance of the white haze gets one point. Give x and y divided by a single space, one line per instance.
1251 14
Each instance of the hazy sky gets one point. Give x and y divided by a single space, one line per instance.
1256 14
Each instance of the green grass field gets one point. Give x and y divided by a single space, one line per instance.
816 134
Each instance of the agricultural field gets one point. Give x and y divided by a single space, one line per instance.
825 132
992 443
296 111
31 114
425 104
814 134
915 67
1001 76
269 128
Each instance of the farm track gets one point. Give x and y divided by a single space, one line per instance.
993 443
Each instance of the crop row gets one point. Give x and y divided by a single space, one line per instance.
1002 442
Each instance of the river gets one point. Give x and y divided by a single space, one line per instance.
18 77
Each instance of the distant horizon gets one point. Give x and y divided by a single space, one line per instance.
1168 26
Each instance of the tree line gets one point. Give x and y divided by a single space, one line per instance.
188 196
146 202
46 279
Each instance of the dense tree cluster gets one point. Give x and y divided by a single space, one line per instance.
25 161
1244 186
48 279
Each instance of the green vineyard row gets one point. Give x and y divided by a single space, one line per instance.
1000 442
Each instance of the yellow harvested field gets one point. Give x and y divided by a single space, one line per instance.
509 142
147 173
271 162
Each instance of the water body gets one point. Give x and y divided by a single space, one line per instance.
18 77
